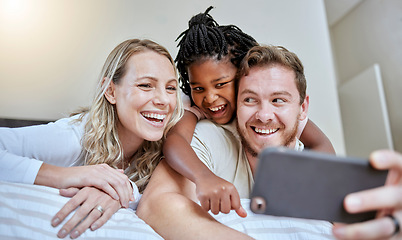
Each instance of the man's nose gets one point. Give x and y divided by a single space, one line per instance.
265 113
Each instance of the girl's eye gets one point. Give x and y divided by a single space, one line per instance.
197 89
222 84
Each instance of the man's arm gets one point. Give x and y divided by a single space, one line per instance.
168 206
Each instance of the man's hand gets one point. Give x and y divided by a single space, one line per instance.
94 208
387 200
218 195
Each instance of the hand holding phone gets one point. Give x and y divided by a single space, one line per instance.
311 185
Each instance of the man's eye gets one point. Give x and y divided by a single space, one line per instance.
278 100
249 100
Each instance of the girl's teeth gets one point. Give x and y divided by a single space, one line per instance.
214 109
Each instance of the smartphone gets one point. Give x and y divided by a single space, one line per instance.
311 185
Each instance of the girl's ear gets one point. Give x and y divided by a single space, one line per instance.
304 108
110 91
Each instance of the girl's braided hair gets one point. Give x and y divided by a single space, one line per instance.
205 39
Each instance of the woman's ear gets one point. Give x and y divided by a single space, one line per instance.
110 91
304 108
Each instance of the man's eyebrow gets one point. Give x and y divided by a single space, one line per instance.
279 93
282 93
248 91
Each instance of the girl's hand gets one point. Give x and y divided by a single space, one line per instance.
94 208
218 195
387 200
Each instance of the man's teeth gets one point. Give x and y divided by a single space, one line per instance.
265 131
154 115
214 109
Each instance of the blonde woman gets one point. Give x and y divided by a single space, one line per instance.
136 103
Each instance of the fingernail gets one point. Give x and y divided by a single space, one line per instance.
62 233
340 232
55 222
353 203
74 234
94 227
380 157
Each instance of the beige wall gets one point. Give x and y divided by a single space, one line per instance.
370 34
52 51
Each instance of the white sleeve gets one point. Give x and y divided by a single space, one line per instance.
137 196
22 150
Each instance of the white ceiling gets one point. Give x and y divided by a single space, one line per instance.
337 9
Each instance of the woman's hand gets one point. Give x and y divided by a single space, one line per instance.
387 200
102 176
218 195
95 207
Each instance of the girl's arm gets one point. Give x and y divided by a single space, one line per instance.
313 138
181 157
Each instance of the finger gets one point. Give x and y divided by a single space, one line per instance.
70 206
241 212
225 203
93 215
78 216
119 183
69 192
205 203
385 159
236 204
103 218
374 199
215 203
374 229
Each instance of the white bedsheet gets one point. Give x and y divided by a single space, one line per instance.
26 211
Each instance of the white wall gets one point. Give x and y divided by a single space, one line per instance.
372 34
52 51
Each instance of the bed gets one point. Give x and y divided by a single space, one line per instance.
26 212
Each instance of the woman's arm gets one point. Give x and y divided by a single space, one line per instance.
212 191
313 138
43 154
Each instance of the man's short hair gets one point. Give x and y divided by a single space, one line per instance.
266 55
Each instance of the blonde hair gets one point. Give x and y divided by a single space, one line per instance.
101 141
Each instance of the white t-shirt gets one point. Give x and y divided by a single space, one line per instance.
220 149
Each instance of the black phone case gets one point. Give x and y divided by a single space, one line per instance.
311 185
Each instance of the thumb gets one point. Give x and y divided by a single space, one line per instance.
241 212
69 192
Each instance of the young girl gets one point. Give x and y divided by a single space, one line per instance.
207 60
136 102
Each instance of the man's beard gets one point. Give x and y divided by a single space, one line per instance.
288 138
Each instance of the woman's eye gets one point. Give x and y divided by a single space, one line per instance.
144 85
171 88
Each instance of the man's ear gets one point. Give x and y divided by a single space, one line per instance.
304 108
110 91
